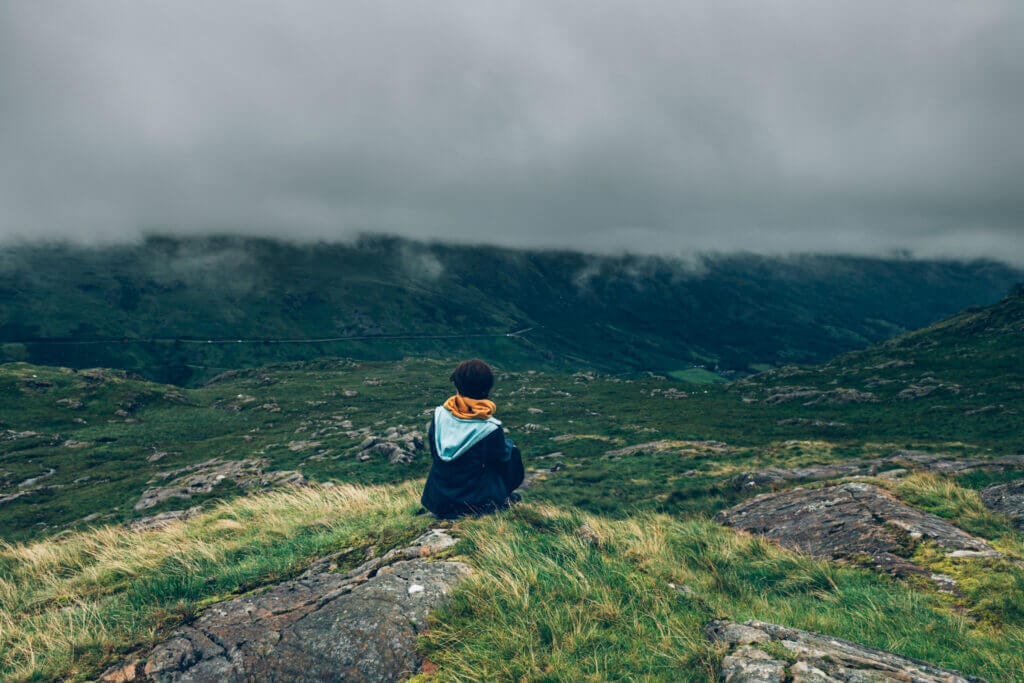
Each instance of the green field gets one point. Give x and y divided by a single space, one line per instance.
697 376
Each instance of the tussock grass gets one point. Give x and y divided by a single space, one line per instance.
562 595
946 498
993 588
69 606
557 594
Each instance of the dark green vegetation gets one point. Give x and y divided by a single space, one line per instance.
645 461
959 380
166 297
954 387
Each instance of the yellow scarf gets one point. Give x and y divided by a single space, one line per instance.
470 408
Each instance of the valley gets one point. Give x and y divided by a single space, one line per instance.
640 468
182 310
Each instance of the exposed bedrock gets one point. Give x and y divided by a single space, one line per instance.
817 658
323 626
940 463
202 478
1007 498
849 521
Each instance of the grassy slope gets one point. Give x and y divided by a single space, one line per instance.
631 604
975 361
68 608
625 600
612 313
555 606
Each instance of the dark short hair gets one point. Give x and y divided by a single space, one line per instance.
473 378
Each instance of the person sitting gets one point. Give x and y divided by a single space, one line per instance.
474 468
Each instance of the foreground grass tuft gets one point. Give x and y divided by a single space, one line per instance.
560 595
946 498
70 606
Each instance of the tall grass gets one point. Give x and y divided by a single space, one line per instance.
70 606
946 498
993 587
565 596
557 594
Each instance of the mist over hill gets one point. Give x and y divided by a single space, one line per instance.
153 307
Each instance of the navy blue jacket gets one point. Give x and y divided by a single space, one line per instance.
477 481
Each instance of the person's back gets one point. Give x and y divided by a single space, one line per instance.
474 468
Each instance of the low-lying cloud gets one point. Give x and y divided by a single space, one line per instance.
656 127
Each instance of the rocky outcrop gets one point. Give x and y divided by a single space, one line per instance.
34 384
814 658
670 445
399 444
808 422
30 486
944 463
205 476
159 521
787 394
12 435
32 481
670 393
809 396
940 463
853 521
11 497
926 386
539 474
1007 498
322 626
770 476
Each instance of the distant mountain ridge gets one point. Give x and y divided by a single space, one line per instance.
152 307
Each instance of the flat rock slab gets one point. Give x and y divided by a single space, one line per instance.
818 658
1007 498
690 447
203 477
944 463
770 476
941 463
322 626
852 520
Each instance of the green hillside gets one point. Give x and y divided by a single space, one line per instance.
960 379
642 461
153 308
954 385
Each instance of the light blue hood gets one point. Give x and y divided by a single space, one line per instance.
453 436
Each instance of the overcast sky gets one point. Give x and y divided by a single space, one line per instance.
659 127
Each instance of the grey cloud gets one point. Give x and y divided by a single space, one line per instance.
656 127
